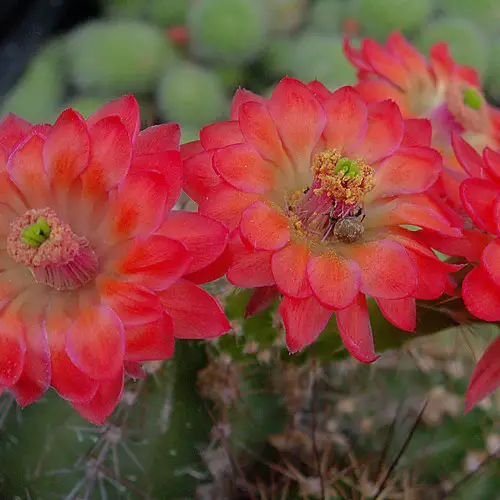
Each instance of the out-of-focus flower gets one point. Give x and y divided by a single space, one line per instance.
96 272
485 377
438 89
316 187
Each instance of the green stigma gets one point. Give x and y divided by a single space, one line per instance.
472 98
35 234
349 167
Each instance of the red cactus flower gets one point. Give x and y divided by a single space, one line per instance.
485 377
96 272
316 187
438 89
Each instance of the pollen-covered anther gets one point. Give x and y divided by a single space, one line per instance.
342 179
54 254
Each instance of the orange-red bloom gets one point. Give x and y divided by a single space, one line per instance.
96 272
316 187
438 89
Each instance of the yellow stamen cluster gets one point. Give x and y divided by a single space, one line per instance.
342 179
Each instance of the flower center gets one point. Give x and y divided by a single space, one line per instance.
54 254
472 98
332 208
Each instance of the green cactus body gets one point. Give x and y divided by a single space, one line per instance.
227 31
117 56
37 95
285 16
191 95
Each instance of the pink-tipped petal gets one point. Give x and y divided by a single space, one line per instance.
408 170
101 406
242 96
12 350
299 118
167 163
134 304
478 197
387 270
356 332
304 320
204 238
491 260
373 91
156 261
189 149
481 295
384 132
411 58
261 299
150 342
12 131
10 194
418 132
26 170
346 121
260 131
221 134
289 268
402 313
164 137
213 271
95 342
110 156
335 281
248 268
195 313
486 376
264 228
467 156
244 168
200 178
66 151
319 90
126 108
136 208
492 163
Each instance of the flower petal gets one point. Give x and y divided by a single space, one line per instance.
304 320
167 163
10 194
156 261
242 166
492 163
289 268
66 151
346 119
411 58
478 197
95 342
248 268
158 138
221 134
199 176
242 96
481 295
467 156
204 238
402 313
136 208
150 342
384 132
196 314
12 350
418 132
25 167
408 170
189 149
334 280
126 108
226 204
299 119
486 376
356 332
264 227
260 131
110 156
213 271
379 90
101 406
490 260
261 299
134 304
387 270
12 131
